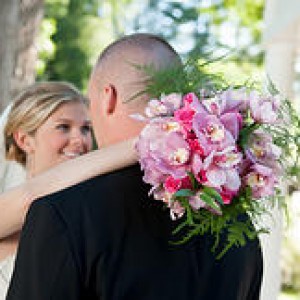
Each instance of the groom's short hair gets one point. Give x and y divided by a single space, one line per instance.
140 40
117 63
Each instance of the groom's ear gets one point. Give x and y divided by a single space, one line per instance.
110 99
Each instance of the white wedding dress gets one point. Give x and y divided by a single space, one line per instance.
11 174
6 269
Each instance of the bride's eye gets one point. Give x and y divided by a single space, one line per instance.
86 129
63 127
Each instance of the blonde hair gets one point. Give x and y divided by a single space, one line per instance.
32 108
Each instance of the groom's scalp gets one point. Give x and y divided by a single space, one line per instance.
116 65
147 43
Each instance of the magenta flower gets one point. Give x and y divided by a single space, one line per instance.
191 100
227 196
185 117
172 184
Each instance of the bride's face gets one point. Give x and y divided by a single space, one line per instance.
65 135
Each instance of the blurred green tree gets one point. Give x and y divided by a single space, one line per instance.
68 59
208 28
75 31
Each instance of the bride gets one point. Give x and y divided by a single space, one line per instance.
48 132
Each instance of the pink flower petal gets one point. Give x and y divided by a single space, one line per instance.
216 177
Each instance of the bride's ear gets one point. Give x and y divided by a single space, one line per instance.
24 141
110 99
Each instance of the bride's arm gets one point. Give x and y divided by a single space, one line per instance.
15 202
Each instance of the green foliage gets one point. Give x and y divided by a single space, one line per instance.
287 136
46 47
178 22
192 75
213 194
80 29
73 60
228 226
70 62
197 27
78 36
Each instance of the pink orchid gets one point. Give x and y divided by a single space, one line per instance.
261 180
221 169
226 109
264 110
234 100
155 108
192 144
229 101
211 133
261 149
164 144
173 155
172 101
163 107
152 174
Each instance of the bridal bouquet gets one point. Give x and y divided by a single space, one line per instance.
213 155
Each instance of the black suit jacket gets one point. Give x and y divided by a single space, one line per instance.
105 239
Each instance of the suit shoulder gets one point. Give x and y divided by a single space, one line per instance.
110 192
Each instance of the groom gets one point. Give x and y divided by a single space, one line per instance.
104 238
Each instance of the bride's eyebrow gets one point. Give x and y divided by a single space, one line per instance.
66 120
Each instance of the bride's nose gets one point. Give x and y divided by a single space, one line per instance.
77 137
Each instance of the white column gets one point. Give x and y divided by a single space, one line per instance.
279 43
279 64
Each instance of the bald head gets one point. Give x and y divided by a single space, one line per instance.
118 76
119 63
141 41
